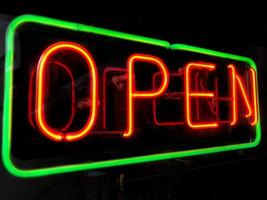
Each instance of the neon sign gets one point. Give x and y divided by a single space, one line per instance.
119 104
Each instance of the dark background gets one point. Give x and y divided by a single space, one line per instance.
240 29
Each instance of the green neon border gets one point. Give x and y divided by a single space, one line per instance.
8 93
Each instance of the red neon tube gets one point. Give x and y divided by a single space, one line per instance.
49 132
255 95
189 94
133 94
252 107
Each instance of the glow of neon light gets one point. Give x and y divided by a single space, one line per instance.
255 102
189 94
236 80
8 101
233 91
30 96
133 94
49 132
244 95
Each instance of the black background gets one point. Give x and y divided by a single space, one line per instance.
240 29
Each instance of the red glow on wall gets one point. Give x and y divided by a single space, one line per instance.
30 98
65 67
31 95
171 96
104 96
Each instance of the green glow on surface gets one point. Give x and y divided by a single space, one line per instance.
8 94
185 47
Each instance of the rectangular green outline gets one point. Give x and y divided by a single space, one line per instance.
8 93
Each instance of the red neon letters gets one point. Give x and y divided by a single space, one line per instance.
243 91
190 94
48 131
251 104
133 94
